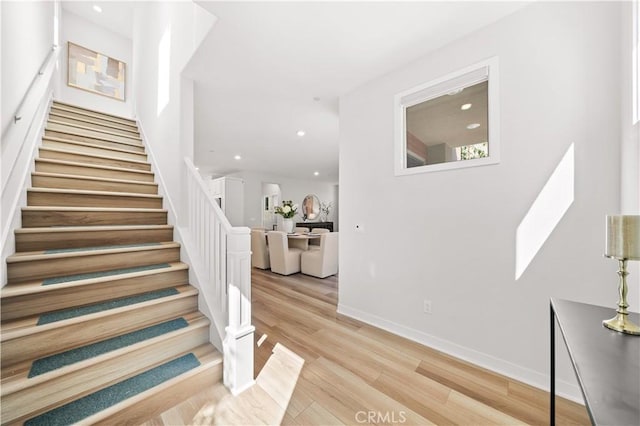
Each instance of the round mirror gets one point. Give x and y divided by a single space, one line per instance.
311 207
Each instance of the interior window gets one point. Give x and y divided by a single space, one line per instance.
449 123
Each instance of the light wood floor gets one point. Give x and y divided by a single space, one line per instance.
342 371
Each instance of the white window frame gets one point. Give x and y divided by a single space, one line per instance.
438 87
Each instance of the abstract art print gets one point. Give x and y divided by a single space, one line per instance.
95 72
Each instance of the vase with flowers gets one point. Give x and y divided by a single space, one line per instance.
287 211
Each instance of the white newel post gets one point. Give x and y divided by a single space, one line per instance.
238 342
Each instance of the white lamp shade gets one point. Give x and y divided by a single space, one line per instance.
623 237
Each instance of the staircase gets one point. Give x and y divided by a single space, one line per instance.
99 321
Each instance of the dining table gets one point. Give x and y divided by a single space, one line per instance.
300 240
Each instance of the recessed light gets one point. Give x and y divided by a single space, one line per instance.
316 173
300 133
197 168
465 107
237 157
473 126
455 91
97 8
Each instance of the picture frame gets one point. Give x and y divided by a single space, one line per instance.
95 72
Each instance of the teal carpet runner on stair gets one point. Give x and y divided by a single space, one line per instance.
105 398
53 362
99 307
77 277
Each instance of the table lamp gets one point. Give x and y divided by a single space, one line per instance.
623 243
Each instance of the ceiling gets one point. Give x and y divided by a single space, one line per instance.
442 120
116 15
269 69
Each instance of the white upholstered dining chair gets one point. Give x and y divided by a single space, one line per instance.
322 262
259 250
284 260
314 243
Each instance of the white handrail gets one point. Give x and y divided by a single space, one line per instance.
17 117
222 257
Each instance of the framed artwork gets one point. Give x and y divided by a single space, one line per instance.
94 72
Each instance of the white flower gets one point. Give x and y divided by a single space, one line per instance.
286 209
295 207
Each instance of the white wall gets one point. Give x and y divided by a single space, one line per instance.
163 97
165 37
87 34
450 236
630 153
27 38
291 189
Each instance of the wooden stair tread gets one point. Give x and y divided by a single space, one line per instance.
59 116
83 251
154 401
80 127
88 192
37 287
28 256
68 105
92 209
62 229
42 237
65 140
107 157
15 329
90 145
92 166
97 119
17 379
84 135
30 397
100 179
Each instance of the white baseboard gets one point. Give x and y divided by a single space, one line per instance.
500 366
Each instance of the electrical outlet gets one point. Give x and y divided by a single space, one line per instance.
427 306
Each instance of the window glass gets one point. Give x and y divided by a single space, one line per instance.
451 122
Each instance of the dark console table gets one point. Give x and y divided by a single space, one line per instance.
311 225
606 363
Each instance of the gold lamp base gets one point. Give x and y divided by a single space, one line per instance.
621 321
622 324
